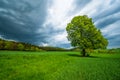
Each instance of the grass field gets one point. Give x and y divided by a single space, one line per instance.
16 65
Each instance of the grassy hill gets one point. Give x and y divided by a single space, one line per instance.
20 65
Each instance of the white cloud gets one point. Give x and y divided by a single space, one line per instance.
61 38
98 8
1 37
104 19
57 17
112 29
44 44
112 33
57 13
3 10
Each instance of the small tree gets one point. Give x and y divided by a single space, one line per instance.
8 45
20 46
83 34
1 44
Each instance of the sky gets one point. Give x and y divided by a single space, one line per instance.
43 22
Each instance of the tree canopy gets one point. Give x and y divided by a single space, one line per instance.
83 34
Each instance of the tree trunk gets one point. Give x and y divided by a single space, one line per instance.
83 52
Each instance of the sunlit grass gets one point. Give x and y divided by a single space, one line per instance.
16 65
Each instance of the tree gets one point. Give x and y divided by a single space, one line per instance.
8 45
20 46
82 33
1 44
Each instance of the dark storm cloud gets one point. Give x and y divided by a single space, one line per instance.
114 42
108 20
113 9
78 6
20 19
107 15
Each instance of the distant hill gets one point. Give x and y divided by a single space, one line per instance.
20 46
50 48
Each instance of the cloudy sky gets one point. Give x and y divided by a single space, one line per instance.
43 22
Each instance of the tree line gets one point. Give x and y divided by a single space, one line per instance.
18 46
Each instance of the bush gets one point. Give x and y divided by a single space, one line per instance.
102 51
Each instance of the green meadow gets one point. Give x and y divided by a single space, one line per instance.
21 65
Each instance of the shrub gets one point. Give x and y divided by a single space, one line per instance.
102 51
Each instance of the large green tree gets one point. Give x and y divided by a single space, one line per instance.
82 33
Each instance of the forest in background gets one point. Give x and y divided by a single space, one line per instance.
20 46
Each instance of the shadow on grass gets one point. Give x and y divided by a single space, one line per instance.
78 55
